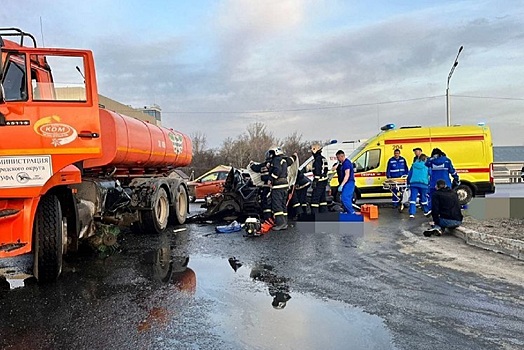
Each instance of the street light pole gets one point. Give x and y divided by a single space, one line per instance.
448 107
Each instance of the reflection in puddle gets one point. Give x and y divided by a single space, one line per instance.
242 314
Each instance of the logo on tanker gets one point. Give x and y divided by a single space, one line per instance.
178 142
59 133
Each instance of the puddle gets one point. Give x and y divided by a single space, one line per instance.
255 307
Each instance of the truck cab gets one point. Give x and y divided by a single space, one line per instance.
71 170
48 123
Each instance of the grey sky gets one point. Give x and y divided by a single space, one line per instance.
234 55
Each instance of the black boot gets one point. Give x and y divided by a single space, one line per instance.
280 223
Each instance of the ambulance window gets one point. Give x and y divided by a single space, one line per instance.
373 159
368 161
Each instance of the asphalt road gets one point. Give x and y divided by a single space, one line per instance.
389 288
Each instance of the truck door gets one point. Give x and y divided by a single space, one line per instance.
50 114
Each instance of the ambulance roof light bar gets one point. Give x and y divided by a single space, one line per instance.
388 127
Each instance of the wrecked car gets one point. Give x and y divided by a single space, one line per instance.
240 197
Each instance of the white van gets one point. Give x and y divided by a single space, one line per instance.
329 151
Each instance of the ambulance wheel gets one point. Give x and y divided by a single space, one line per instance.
465 194
180 202
49 234
157 217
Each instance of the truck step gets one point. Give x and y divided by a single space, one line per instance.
8 212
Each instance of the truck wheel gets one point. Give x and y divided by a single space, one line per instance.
180 205
465 194
48 233
158 216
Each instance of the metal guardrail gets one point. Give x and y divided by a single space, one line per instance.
506 173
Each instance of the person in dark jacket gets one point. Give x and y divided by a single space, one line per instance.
320 180
265 192
418 182
446 210
418 153
396 168
279 187
298 200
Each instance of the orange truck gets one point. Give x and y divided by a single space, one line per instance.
71 170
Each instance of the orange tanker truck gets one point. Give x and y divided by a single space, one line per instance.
71 170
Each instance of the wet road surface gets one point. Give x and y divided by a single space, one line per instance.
390 288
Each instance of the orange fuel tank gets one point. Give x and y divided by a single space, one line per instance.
131 143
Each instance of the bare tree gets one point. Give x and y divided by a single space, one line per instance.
199 140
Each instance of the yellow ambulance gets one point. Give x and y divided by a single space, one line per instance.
470 149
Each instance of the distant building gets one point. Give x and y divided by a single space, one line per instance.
137 113
154 111
148 114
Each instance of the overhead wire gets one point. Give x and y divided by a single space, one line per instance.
267 111
306 109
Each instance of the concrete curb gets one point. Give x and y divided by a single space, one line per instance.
508 246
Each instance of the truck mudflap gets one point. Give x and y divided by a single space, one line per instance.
15 217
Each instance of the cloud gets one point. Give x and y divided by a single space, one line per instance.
283 55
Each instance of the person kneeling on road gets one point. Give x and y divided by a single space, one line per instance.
445 209
347 184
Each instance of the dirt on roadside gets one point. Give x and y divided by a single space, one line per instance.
508 228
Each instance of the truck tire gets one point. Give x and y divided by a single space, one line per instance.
157 217
180 206
48 233
465 194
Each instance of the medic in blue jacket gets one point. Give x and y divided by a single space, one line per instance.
397 166
441 168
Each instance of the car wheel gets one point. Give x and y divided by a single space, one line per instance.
465 194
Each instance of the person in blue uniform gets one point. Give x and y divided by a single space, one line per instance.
397 167
418 182
347 182
441 168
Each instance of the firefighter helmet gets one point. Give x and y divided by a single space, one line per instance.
315 148
275 150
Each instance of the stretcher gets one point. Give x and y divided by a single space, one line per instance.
398 188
